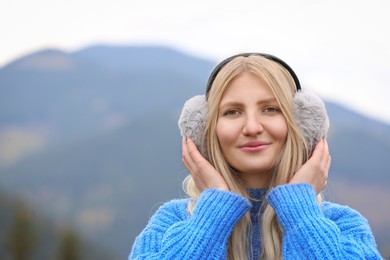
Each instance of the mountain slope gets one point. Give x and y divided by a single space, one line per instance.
107 184
71 94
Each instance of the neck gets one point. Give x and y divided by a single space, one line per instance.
255 180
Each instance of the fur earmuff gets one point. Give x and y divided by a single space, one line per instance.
311 117
192 120
309 110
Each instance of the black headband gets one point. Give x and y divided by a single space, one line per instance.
216 70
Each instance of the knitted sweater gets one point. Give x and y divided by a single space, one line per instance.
310 231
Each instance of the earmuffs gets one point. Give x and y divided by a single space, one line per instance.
309 110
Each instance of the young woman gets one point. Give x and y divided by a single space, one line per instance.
255 183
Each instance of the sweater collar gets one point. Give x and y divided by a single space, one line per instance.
256 198
257 193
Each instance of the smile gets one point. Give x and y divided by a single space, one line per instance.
254 146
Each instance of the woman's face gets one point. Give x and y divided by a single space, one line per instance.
251 128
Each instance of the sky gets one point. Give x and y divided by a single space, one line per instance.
339 48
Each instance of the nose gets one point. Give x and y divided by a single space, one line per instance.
252 126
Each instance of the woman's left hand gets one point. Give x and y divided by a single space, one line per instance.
315 170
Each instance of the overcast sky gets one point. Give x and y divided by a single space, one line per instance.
339 48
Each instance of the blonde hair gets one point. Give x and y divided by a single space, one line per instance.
294 152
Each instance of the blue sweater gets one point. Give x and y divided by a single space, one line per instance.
310 231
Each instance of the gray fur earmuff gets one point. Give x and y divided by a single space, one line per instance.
311 117
192 120
309 110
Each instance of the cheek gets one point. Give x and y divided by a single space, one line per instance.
227 133
280 133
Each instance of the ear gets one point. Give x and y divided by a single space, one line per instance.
311 117
192 120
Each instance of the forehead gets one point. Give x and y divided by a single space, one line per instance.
248 89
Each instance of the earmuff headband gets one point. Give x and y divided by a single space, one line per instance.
218 68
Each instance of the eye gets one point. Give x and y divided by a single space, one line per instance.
271 110
231 112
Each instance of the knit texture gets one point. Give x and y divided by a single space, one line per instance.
256 198
310 231
172 234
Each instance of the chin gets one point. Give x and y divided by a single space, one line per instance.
254 167
254 170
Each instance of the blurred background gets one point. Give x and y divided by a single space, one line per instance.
91 92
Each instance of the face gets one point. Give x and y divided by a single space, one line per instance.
251 128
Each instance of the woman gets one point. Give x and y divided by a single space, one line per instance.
255 183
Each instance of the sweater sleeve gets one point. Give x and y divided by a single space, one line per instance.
203 235
311 231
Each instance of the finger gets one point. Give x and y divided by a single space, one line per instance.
184 149
329 162
194 153
318 151
185 155
183 142
326 156
326 147
324 153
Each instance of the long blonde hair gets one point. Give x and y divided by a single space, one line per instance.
294 152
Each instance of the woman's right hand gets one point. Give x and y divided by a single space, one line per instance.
203 173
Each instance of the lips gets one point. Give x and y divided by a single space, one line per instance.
254 146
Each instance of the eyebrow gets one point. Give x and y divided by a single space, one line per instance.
238 103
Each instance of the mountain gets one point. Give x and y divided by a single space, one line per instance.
360 146
90 138
95 87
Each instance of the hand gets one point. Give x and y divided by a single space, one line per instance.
203 173
315 170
